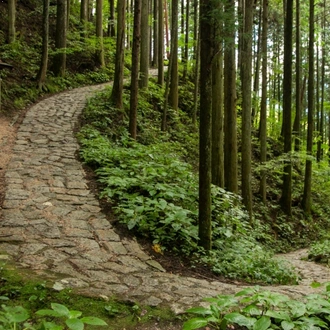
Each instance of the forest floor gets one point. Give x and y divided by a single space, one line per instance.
187 282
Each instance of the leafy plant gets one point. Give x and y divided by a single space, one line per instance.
17 317
155 193
255 309
320 251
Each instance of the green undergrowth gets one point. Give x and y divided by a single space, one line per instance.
256 309
153 188
320 251
27 302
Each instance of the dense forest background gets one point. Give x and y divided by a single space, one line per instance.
224 149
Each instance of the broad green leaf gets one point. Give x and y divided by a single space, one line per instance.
131 224
240 319
74 314
297 308
74 324
262 324
4 298
252 310
246 292
93 320
199 310
162 204
194 323
60 309
52 326
287 325
280 315
16 314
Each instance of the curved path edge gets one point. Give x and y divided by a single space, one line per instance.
54 225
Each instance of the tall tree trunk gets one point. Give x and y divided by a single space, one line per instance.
186 40
144 59
111 24
155 34
160 79
41 76
135 69
257 70
217 121
297 121
117 90
99 55
286 197
205 125
306 201
174 84
196 78
83 17
11 21
230 115
167 37
263 107
246 76
321 140
60 38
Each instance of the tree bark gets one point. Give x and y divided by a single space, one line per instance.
205 125
111 24
230 115
246 76
99 55
135 69
286 197
160 79
117 90
174 83
217 121
263 107
41 76
307 197
60 38
144 59
11 21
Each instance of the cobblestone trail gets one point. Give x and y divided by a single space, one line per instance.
53 224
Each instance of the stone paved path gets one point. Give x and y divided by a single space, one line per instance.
53 224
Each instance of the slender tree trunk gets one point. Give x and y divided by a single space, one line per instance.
155 47
60 38
196 79
230 116
83 17
174 84
263 107
321 141
307 197
135 69
160 79
286 197
111 24
167 37
99 55
217 121
117 90
186 40
41 76
205 126
297 121
144 59
257 70
11 21
246 76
